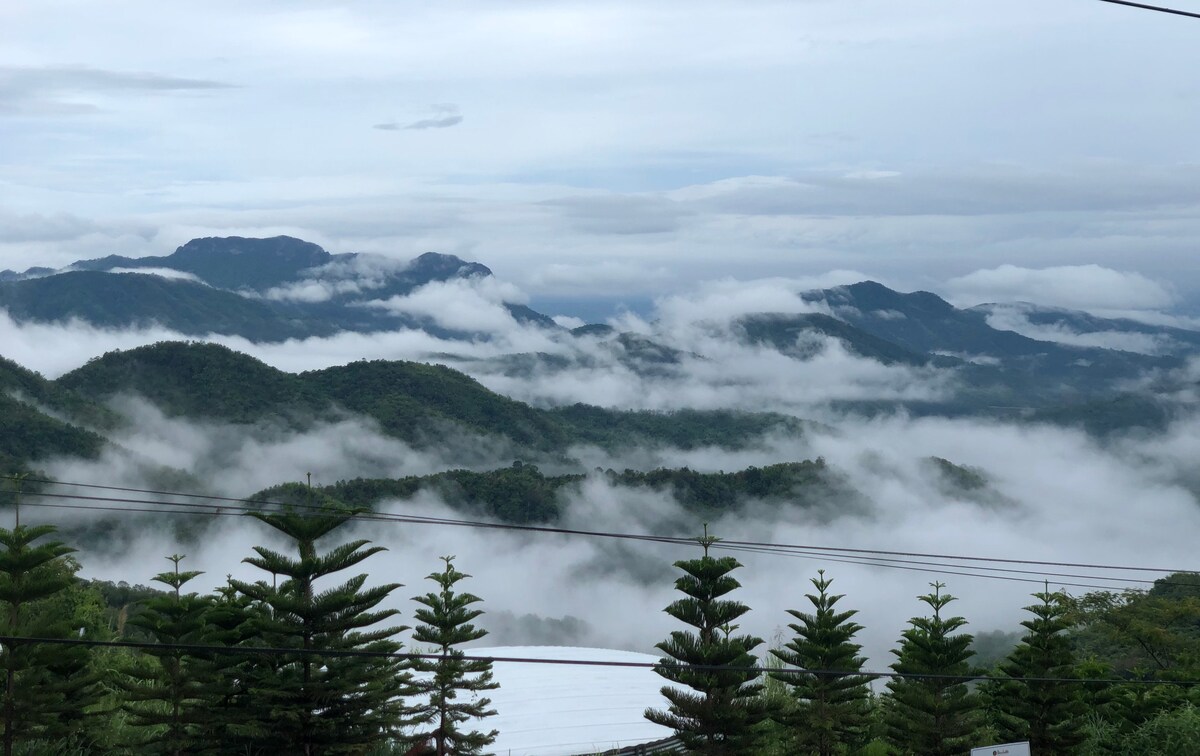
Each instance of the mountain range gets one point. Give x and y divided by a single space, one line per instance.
1063 366
261 289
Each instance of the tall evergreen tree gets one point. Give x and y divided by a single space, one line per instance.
446 623
44 686
320 700
926 714
171 698
1049 714
832 702
717 715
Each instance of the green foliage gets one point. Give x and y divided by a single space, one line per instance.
170 700
27 434
198 380
445 619
30 387
417 402
805 484
932 716
316 700
1048 714
831 702
683 429
47 688
1155 633
522 494
719 713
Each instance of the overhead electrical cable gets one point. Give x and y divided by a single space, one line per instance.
1158 8
197 648
868 557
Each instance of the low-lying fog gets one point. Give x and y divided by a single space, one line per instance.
1053 494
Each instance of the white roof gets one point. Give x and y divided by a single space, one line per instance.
561 709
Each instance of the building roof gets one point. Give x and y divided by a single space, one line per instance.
564 710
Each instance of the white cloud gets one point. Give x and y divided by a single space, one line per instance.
728 299
1080 287
472 305
566 321
1016 318
161 273
312 290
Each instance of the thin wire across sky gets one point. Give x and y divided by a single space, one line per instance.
991 568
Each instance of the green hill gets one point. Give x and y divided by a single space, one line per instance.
411 400
40 419
28 435
197 380
416 402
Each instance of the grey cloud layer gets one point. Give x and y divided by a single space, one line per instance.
708 139
47 90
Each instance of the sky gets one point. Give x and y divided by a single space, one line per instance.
623 151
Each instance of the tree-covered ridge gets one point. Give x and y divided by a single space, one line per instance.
39 418
410 399
31 388
416 402
134 300
522 493
27 434
260 289
197 380
683 429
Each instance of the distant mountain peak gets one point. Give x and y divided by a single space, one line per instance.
872 295
287 247
438 266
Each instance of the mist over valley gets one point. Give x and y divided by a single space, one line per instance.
852 417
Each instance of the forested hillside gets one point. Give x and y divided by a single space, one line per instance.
522 494
408 400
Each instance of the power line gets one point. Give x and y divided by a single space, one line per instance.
909 565
868 557
198 648
321 510
1158 8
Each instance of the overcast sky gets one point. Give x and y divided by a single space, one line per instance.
978 148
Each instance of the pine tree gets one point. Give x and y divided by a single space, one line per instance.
717 716
172 697
321 701
932 716
1050 715
446 618
44 685
831 702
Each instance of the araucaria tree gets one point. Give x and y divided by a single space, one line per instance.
930 711
44 685
1048 712
319 699
831 700
445 619
715 701
170 697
